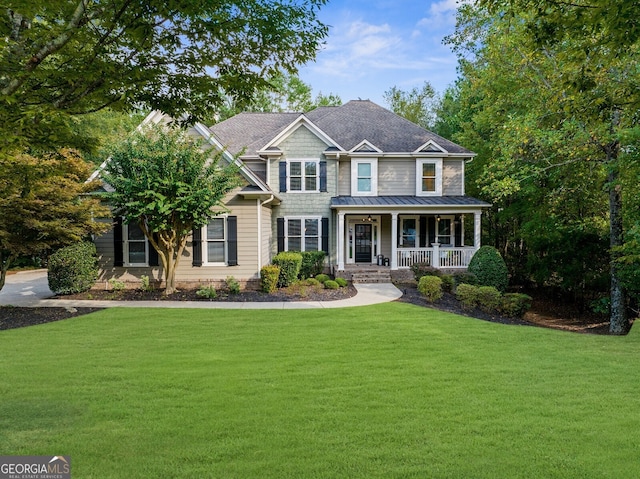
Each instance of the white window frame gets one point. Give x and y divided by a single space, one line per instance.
303 176
205 243
374 176
303 236
404 218
419 163
452 229
125 247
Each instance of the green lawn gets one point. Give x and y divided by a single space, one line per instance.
386 391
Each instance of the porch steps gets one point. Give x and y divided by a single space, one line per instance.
373 276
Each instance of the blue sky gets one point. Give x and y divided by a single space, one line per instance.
374 45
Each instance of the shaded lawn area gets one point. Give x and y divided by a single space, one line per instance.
385 391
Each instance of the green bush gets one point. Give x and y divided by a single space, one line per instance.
467 294
269 278
289 263
331 284
515 304
342 282
145 283
323 277
117 285
489 299
430 287
311 282
312 264
447 282
490 268
232 285
464 277
424 269
207 292
73 269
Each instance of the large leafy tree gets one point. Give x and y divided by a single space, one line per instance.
417 105
44 205
553 101
167 184
60 58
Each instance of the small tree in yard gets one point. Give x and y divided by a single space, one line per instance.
166 184
43 205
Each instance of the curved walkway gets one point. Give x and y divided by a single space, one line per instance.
30 289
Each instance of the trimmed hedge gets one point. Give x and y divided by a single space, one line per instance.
331 284
515 304
489 298
467 294
312 264
490 268
73 269
322 278
289 263
342 282
269 278
424 269
430 287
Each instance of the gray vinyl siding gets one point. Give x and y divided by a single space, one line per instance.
344 178
396 176
453 177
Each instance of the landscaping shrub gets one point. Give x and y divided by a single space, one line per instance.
269 278
208 292
73 269
312 282
489 298
489 268
331 284
342 282
289 263
232 285
145 283
322 278
312 264
467 294
464 277
430 287
515 304
424 269
117 285
447 282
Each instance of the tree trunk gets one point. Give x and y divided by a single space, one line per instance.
619 322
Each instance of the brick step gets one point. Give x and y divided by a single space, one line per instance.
371 277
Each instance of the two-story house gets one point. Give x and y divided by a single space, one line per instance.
357 181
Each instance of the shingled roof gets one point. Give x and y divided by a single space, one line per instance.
348 125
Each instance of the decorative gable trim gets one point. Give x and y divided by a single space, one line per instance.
365 147
431 147
289 130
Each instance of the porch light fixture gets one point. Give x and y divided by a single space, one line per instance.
368 219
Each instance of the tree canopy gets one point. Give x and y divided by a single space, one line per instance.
62 58
417 105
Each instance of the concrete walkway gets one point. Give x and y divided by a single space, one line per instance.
30 289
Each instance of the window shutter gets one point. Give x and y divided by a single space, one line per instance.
323 176
325 235
283 176
118 251
232 240
457 232
196 247
154 260
280 235
432 230
423 232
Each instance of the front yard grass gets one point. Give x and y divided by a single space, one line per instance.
387 391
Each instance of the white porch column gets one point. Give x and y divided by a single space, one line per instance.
340 241
477 225
394 240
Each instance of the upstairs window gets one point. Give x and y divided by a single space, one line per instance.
302 175
364 177
429 177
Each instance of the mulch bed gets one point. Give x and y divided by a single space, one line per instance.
544 312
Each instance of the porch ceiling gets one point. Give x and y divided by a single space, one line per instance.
338 202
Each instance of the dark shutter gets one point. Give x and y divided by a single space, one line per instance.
323 176
118 251
283 176
458 232
432 229
153 254
232 240
196 247
423 232
280 235
325 235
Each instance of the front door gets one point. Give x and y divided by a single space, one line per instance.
363 243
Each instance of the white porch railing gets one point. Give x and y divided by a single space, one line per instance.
446 256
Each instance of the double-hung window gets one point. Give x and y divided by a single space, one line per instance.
429 177
302 234
303 175
215 241
136 251
364 177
